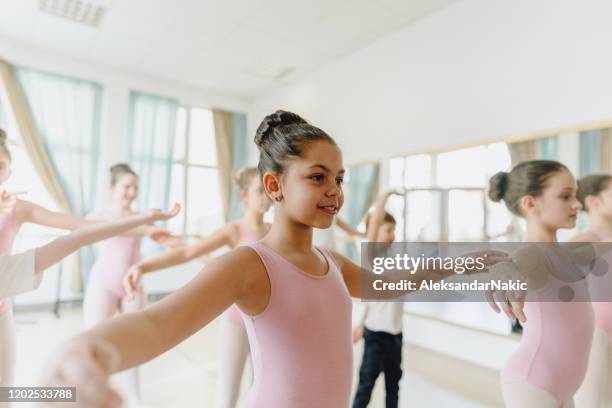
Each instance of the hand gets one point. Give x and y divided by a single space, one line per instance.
157 234
489 258
9 200
512 302
86 365
397 191
357 333
158 215
131 281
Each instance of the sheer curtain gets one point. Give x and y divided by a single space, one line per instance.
66 114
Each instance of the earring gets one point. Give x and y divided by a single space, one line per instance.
278 198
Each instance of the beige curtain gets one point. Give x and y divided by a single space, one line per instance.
606 150
15 101
223 136
27 129
523 151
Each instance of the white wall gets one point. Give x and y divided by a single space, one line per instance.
474 71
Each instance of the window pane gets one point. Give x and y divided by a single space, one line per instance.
179 140
204 209
423 215
396 172
463 168
202 148
418 171
465 215
177 195
501 224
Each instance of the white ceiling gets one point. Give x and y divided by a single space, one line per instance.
218 45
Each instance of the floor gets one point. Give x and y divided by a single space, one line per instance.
185 376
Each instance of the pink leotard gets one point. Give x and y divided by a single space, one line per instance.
8 230
116 255
601 290
553 354
301 343
245 236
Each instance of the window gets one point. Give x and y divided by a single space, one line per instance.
443 204
195 178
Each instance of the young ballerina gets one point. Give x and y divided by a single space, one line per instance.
381 324
549 365
294 299
595 194
233 342
105 296
19 212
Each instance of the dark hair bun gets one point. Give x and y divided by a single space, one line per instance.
498 186
275 120
2 137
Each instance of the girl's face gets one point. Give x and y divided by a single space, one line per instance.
386 233
254 197
557 206
602 202
5 167
125 190
311 186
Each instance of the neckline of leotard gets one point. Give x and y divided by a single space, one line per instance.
298 269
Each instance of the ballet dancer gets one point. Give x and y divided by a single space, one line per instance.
595 194
550 362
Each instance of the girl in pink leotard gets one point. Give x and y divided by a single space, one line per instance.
105 295
10 223
550 363
595 194
233 342
293 297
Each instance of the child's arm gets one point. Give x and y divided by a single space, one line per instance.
135 338
378 215
344 226
63 246
220 238
28 212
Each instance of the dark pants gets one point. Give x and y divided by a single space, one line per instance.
382 353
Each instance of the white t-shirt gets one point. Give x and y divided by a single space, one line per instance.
17 273
386 316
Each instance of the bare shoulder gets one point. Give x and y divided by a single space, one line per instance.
586 236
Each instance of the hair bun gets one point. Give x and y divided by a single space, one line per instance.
498 186
2 137
273 121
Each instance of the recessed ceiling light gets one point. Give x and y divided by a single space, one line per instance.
78 11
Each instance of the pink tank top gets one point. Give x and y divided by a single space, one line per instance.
301 343
116 255
8 231
553 354
245 236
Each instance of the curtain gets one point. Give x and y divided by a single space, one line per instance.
589 152
151 133
223 137
548 148
523 151
359 193
66 114
240 155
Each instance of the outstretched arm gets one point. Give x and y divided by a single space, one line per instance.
132 339
220 238
63 246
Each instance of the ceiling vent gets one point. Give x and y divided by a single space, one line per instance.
78 11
